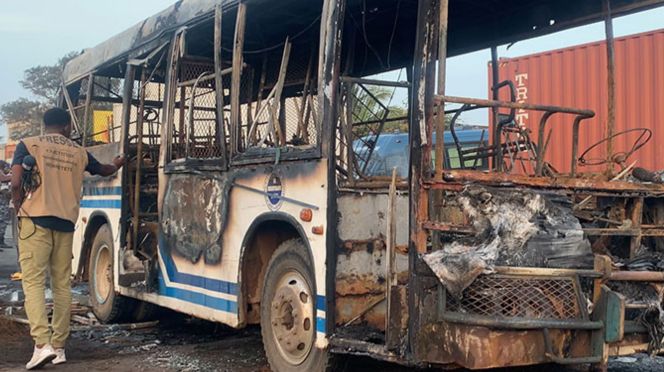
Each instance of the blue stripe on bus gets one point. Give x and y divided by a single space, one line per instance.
175 276
101 204
101 191
320 303
320 324
222 304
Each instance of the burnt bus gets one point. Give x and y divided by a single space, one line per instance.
247 198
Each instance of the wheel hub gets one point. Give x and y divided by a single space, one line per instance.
292 317
103 274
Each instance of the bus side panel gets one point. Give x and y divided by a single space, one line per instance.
211 290
100 198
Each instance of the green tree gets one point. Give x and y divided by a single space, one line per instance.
44 83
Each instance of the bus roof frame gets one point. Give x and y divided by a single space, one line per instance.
470 27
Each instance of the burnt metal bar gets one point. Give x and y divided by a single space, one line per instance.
329 67
637 276
519 322
514 105
70 106
88 101
440 89
535 271
219 84
611 83
541 149
127 94
575 144
421 122
382 83
499 179
206 78
390 254
139 159
236 79
495 78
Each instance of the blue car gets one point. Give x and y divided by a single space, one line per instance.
391 150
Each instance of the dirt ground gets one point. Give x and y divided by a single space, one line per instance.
183 344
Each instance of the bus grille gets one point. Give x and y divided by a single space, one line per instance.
518 296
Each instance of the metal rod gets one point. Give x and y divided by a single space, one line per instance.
219 83
70 106
236 79
86 114
206 78
575 144
611 82
637 276
390 254
442 63
495 78
139 160
515 105
535 271
519 323
382 83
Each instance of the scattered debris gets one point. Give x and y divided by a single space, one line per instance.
513 228
626 360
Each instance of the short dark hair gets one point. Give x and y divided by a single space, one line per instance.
56 117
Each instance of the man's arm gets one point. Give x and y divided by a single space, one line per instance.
17 174
17 197
104 170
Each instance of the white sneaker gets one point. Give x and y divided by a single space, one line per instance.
40 357
59 356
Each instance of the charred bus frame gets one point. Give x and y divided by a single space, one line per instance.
418 327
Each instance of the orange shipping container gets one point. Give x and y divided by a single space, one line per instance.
577 77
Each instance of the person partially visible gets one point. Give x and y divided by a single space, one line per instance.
47 178
5 197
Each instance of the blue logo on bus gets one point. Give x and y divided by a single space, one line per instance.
274 191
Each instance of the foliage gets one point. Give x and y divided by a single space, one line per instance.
45 81
25 115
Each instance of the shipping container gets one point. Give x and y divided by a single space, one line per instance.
577 77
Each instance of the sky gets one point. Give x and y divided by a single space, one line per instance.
39 32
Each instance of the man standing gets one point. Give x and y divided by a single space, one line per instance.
47 202
5 196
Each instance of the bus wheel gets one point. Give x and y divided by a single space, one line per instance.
108 306
288 313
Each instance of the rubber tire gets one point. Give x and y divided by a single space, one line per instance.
145 312
290 255
116 308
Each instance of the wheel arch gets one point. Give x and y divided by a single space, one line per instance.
260 242
95 221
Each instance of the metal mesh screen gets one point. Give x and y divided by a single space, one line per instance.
507 296
368 111
195 131
290 121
